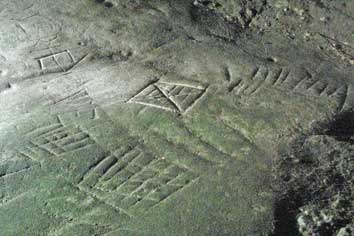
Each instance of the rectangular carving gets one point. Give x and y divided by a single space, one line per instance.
132 179
58 62
55 139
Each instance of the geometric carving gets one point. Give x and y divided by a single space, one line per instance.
79 98
79 103
54 140
285 80
168 96
130 179
58 62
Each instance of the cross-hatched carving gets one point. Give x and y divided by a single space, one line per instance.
132 179
55 139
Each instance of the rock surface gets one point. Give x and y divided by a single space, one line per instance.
163 117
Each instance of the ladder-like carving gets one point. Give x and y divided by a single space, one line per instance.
132 179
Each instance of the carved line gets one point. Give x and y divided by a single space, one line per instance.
298 83
52 128
196 100
343 99
124 155
227 74
76 63
183 85
174 192
156 106
322 91
15 172
82 93
142 90
169 98
233 86
118 209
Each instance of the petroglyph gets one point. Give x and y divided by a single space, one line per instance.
131 179
78 105
288 80
58 62
164 117
54 140
174 97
